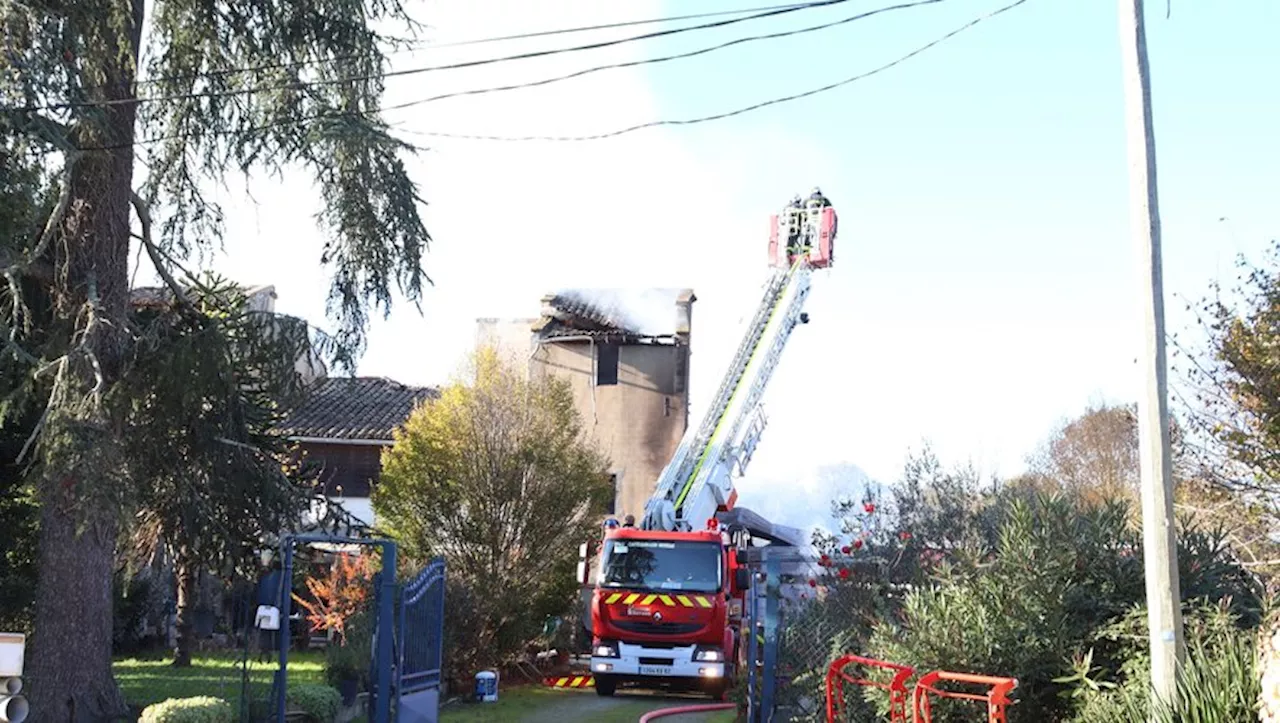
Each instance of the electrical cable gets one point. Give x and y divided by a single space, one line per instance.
738 111
660 59
220 72
598 136
430 68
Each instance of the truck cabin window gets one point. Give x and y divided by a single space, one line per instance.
661 565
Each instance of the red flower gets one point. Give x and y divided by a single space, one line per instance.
904 535
813 583
824 561
870 507
857 544
844 573
845 549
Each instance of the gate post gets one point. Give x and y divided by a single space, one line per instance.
755 636
386 633
773 595
285 636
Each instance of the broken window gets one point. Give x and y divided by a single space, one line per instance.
611 506
606 364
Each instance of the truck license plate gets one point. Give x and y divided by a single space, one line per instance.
655 670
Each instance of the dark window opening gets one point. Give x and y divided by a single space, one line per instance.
607 364
611 505
682 368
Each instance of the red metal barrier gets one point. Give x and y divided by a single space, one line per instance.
996 697
837 676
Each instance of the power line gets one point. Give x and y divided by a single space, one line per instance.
598 136
221 72
661 59
738 111
627 24
783 10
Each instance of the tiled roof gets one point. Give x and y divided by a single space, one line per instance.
638 313
354 408
261 298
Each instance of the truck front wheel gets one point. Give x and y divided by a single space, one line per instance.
606 686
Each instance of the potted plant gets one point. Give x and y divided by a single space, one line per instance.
343 671
347 660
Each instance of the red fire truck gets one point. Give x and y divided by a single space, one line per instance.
669 594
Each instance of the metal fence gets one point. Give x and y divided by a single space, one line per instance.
803 612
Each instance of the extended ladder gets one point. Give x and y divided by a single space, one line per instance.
697 481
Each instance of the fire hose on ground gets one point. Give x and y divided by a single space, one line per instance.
680 710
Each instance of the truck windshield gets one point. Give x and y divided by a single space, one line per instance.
661 565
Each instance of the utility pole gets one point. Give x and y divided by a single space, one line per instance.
1160 552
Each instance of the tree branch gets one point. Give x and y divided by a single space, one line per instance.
55 218
52 132
44 415
144 217
1260 563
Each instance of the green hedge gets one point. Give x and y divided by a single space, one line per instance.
319 702
202 709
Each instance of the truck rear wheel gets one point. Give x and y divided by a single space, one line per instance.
606 686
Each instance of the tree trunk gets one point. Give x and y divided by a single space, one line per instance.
70 666
184 571
83 482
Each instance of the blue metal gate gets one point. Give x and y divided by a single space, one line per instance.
420 642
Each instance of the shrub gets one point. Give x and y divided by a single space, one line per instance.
340 594
350 659
496 476
319 702
1057 570
202 709
1054 599
1218 682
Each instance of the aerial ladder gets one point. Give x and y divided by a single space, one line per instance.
698 481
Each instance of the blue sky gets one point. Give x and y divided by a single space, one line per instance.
985 280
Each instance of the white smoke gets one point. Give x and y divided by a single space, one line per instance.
647 312
804 501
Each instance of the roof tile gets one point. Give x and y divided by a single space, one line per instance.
624 313
354 408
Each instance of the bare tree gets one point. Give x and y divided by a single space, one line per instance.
1098 449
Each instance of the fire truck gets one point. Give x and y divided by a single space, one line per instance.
668 595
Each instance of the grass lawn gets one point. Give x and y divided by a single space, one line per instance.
538 703
151 680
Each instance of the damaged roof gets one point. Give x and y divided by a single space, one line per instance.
354 408
625 313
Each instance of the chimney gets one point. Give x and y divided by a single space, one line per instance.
684 314
548 310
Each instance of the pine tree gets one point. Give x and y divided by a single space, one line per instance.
227 87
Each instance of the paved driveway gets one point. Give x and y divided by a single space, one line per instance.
625 706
